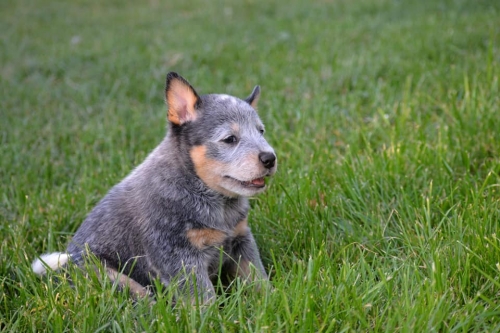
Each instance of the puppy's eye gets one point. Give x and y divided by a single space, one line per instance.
230 139
261 131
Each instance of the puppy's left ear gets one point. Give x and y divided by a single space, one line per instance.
253 99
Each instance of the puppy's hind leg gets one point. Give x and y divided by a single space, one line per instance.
137 291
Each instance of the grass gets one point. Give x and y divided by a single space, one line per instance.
385 212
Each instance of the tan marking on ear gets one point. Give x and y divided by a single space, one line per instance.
256 97
255 102
210 171
203 238
181 100
241 229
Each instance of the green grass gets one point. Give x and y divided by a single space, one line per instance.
384 215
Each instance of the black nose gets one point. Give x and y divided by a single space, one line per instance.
268 159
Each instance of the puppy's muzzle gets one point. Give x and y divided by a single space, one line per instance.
267 159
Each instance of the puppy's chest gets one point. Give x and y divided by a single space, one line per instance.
227 228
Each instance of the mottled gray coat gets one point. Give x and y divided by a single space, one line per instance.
187 202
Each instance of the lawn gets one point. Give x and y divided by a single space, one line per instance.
384 214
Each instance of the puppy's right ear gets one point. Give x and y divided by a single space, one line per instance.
253 99
182 99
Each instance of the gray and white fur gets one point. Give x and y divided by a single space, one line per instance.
173 216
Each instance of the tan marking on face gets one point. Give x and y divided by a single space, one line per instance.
203 238
210 171
235 127
181 101
241 229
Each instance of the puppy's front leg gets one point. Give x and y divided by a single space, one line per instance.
244 254
194 280
179 257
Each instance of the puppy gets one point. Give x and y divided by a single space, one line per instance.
182 213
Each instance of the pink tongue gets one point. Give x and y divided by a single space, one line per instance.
259 181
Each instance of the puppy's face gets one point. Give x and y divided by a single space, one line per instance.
225 137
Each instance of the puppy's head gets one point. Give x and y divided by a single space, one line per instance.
224 137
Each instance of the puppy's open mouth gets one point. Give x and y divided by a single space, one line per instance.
257 182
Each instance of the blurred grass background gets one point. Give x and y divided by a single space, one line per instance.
385 211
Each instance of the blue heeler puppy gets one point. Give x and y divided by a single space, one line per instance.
183 211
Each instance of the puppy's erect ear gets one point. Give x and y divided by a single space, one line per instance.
182 99
253 99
